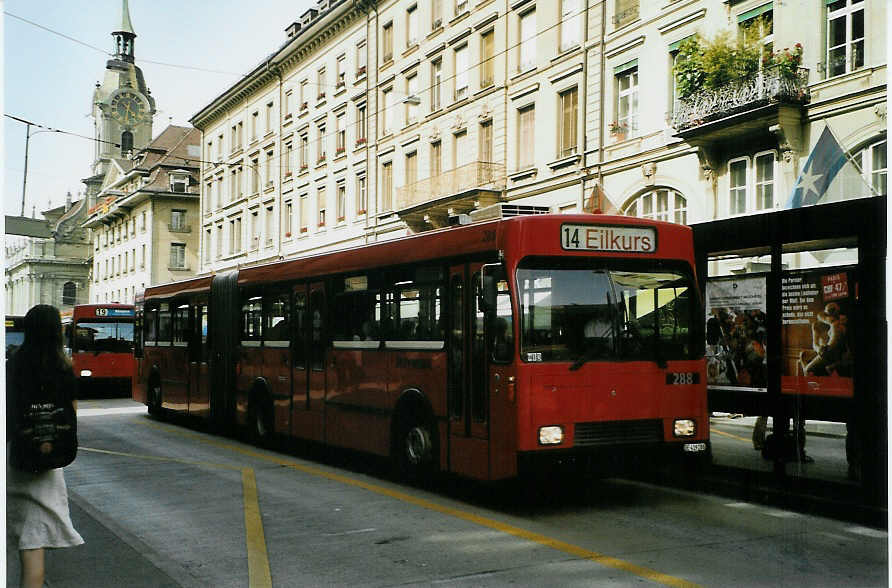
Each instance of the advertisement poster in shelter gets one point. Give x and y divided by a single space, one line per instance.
817 336
736 333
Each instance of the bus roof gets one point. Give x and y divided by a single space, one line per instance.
541 233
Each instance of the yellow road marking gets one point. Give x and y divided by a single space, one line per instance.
258 559
556 544
724 434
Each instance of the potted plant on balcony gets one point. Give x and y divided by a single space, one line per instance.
618 130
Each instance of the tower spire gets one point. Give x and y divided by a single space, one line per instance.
124 36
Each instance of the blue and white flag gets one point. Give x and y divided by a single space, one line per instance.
824 162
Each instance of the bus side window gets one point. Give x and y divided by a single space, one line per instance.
502 326
138 334
150 325
180 324
299 349
276 323
317 329
252 319
164 323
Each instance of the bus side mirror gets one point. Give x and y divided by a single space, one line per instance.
488 292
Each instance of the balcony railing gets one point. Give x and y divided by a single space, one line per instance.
770 86
476 175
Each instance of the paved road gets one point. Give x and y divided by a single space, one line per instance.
162 505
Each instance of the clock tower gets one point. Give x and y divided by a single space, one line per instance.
122 105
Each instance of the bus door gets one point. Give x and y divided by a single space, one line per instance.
307 368
468 394
199 376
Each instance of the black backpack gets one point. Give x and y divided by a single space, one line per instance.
45 432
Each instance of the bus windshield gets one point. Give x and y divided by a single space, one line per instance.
580 312
104 336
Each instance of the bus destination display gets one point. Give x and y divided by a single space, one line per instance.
608 238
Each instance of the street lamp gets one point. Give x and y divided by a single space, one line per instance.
28 134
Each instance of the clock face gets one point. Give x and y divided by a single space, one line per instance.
127 108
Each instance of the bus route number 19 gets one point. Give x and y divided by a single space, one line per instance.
101 312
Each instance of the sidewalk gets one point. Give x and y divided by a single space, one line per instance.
109 556
826 428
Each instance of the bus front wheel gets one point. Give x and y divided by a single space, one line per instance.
415 450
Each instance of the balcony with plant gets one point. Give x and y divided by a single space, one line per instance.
720 78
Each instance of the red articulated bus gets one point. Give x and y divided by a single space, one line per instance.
100 337
486 350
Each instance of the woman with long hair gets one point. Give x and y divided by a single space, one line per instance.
37 514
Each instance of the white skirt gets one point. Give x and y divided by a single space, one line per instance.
37 512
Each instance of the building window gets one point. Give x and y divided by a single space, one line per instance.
413 99
235 235
286 106
663 204
461 72
320 206
625 11
207 246
69 294
289 218
764 181
304 152
320 84
340 134
387 186
412 26
255 175
751 183
411 168
436 159
177 256
286 161
568 101
436 14
142 257
460 151
270 169
303 212
437 80
254 117
485 151
487 59
527 41
340 72
177 220
758 24
255 230
845 36
341 204
233 183
361 195
461 6
126 143
526 139
361 60
387 42
872 162
571 24
320 143
387 119
304 96
269 226
627 100
361 125
219 241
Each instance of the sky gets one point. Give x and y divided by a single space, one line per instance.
49 79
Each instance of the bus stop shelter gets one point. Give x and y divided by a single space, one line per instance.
796 297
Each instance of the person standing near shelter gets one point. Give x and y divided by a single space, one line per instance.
37 514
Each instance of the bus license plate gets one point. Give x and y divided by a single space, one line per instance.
682 378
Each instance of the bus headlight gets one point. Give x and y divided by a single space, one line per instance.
684 428
86 373
552 435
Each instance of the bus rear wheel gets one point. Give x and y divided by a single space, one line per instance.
260 421
154 394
